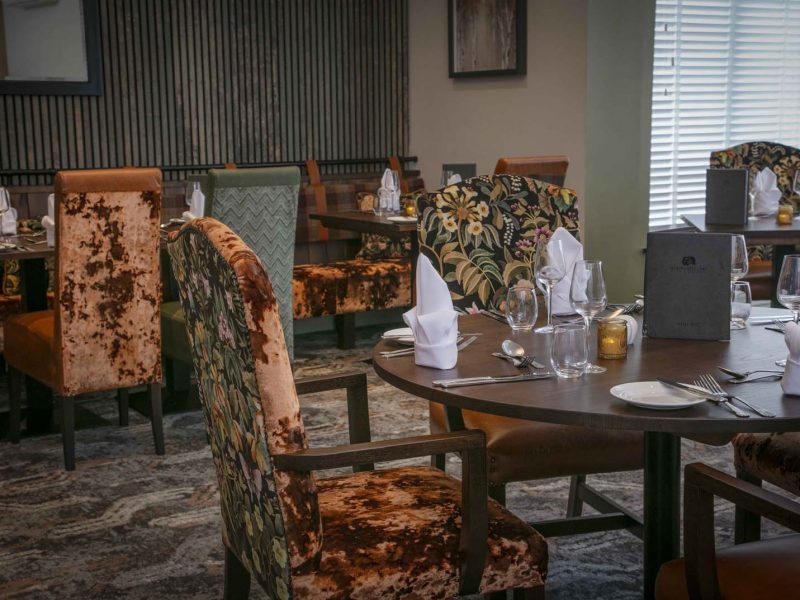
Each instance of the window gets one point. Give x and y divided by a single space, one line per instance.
725 72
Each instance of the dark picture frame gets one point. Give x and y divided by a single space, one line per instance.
94 84
462 14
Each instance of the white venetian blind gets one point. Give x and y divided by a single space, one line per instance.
724 72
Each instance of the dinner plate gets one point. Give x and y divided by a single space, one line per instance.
654 395
401 219
403 335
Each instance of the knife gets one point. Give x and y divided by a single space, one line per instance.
464 381
689 388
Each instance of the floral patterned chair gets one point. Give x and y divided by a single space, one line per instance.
784 162
481 234
404 532
104 332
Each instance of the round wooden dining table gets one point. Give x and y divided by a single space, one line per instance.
587 401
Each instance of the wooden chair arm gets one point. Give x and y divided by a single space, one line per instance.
357 403
474 490
701 484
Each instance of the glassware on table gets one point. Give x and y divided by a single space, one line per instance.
587 294
739 263
446 175
5 206
788 291
612 339
568 352
741 304
548 268
521 308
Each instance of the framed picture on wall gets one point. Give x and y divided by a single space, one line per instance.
487 37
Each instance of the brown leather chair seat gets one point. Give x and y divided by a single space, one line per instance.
29 344
767 569
520 450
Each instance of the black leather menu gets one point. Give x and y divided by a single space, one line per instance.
727 192
687 283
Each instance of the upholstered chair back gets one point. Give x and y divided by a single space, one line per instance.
552 169
249 401
481 233
755 156
260 205
108 283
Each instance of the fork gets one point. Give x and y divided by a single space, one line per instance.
716 389
721 401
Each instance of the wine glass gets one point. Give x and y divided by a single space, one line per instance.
741 304
521 308
738 258
446 175
587 294
548 267
789 285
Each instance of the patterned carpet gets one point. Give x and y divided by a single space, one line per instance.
129 524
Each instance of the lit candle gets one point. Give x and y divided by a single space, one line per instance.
410 207
785 214
612 339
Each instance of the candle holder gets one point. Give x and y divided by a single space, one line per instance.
410 207
785 214
612 339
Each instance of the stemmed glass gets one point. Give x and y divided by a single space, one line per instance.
5 206
789 285
587 294
739 264
548 267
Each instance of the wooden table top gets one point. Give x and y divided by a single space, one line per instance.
757 230
364 222
587 400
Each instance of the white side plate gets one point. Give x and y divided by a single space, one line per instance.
654 395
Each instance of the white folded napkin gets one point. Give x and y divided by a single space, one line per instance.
433 320
566 251
766 194
387 185
197 203
49 225
9 222
633 327
454 179
791 375
51 207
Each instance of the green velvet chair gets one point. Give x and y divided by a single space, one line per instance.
260 205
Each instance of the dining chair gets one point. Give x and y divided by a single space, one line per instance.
261 206
784 162
765 569
481 234
552 169
394 533
103 333
758 457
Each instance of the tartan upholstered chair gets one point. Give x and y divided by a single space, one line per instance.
404 532
481 234
103 333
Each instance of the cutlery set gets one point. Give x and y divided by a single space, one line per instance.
708 388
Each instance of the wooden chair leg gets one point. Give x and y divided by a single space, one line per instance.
498 493
574 502
154 392
536 593
68 431
178 375
15 382
122 403
345 331
747 525
237 578
439 461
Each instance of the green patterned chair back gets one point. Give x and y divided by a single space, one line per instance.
271 518
260 205
755 156
481 233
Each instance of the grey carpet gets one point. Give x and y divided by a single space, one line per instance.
130 524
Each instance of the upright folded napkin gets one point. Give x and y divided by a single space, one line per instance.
766 194
791 375
49 221
633 327
454 179
566 251
388 185
51 207
433 320
197 203
8 224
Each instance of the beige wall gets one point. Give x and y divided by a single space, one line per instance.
543 112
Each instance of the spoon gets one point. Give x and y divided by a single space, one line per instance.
614 314
513 349
745 374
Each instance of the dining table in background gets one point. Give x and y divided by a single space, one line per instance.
587 401
758 230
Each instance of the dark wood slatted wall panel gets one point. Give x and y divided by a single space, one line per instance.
198 82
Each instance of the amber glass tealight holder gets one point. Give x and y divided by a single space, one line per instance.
785 214
612 339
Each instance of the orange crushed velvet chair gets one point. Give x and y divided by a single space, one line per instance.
104 333
394 533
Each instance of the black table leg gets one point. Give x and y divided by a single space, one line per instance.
39 398
778 253
662 465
